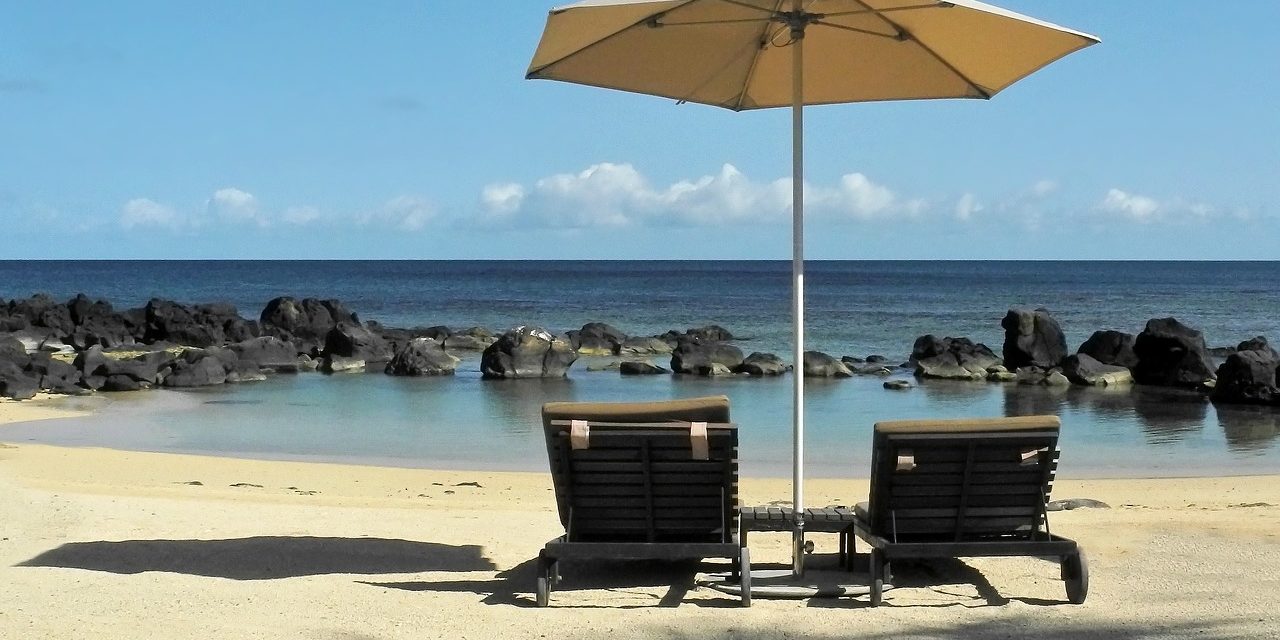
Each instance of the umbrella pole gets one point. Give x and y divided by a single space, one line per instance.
797 287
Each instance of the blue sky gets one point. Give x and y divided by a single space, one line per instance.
332 130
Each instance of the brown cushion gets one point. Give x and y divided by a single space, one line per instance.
708 409
971 425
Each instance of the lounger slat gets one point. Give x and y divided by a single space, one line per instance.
688 466
637 489
951 490
666 454
639 502
679 479
984 525
1022 475
974 513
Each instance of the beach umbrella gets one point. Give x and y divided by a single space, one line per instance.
756 54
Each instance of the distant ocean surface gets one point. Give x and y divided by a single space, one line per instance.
853 308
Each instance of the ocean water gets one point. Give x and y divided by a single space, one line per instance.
853 308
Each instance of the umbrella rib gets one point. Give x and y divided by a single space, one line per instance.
755 60
533 73
891 36
698 23
907 35
711 77
914 7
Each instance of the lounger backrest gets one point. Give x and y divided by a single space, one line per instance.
962 480
640 476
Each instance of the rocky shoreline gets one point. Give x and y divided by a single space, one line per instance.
84 346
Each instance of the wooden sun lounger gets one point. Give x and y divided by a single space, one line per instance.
643 481
965 488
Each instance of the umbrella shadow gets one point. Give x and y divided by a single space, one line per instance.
514 587
264 557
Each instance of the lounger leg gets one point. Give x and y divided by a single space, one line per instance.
1075 572
877 577
544 581
744 564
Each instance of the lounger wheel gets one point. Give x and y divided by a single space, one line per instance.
1075 572
877 577
546 578
744 580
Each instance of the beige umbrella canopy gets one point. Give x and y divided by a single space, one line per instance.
755 54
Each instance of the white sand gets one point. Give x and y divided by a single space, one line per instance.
108 544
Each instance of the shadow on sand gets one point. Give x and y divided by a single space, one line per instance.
514 587
264 557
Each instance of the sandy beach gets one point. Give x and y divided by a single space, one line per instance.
100 543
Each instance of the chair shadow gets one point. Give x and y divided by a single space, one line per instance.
265 557
937 575
514 587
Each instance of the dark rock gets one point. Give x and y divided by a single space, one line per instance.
54 375
82 308
306 324
1075 503
354 341
1081 368
1258 343
597 339
897 385
527 352
41 310
951 358
469 342
710 333
634 368
852 360
1172 354
196 369
1110 347
15 383
694 356
339 364
202 325
643 346
13 350
1032 338
100 371
876 359
437 333
1248 377
267 352
868 369
820 365
122 383
242 372
762 364
422 357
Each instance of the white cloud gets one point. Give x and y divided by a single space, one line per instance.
234 205
300 215
966 206
144 212
502 199
613 195
1043 188
1134 207
406 213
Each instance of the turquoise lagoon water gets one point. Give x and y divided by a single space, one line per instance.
469 423
853 308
